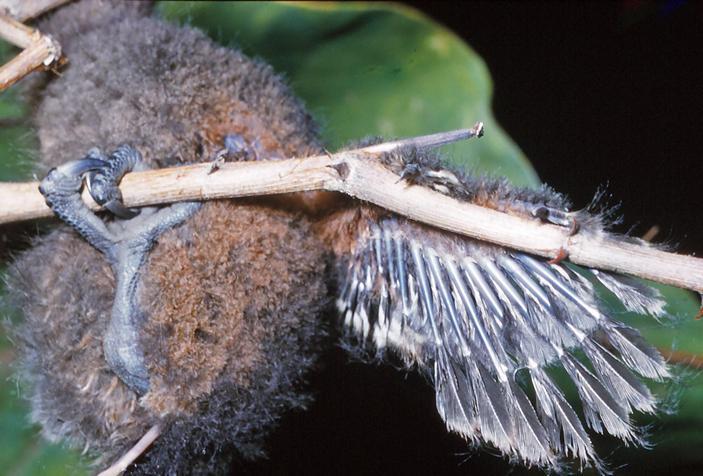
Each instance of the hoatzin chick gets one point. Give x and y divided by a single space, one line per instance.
207 317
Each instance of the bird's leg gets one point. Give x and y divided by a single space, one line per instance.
125 242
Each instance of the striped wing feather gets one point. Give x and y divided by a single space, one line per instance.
474 317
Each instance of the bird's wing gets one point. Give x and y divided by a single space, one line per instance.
488 325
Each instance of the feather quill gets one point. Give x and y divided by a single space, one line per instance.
472 316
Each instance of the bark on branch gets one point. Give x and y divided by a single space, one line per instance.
23 10
351 173
133 453
38 51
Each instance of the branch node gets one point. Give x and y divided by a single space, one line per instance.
342 168
561 255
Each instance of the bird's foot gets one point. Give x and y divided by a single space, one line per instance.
125 242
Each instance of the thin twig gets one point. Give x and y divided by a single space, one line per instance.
351 173
39 51
680 357
23 10
651 233
17 33
428 141
134 452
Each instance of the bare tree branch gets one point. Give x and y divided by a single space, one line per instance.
39 51
23 10
351 173
135 452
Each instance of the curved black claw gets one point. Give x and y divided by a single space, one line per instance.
62 191
67 178
103 182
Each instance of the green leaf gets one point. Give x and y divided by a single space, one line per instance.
370 69
15 142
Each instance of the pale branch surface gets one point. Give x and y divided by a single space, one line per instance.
17 33
351 173
38 51
37 56
23 10
134 452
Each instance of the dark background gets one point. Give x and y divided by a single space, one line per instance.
595 94
601 93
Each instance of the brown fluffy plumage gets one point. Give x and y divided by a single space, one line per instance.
228 316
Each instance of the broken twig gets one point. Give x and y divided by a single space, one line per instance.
38 51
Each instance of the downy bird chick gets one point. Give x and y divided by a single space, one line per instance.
207 318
